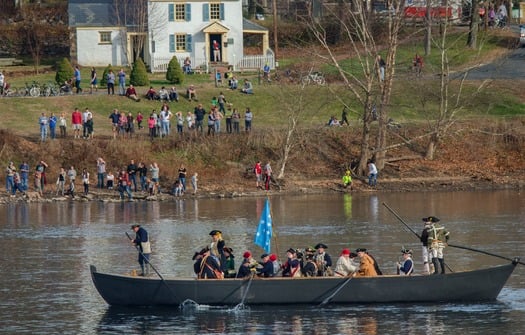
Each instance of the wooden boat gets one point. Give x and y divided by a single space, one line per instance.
468 286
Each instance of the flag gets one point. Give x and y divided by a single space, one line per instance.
263 237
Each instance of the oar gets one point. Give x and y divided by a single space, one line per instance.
458 246
412 230
247 289
343 284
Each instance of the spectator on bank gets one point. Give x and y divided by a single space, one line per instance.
151 94
191 93
247 87
132 93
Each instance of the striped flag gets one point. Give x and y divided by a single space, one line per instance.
263 236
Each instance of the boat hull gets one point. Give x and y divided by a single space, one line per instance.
469 286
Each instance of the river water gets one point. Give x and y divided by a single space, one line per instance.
45 286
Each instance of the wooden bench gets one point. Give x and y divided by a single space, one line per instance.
10 62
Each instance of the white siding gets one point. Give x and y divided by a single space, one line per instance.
92 53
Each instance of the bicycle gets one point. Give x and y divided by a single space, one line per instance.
30 90
315 78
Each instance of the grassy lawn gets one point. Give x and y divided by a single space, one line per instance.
412 100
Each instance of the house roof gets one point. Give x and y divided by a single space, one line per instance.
97 13
248 25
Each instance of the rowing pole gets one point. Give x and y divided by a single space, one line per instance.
457 246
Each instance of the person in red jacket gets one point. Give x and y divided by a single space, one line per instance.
76 121
258 174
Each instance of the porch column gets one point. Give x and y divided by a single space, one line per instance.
266 42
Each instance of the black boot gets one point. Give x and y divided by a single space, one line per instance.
435 263
442 263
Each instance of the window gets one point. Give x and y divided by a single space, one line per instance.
180 12
105 37
215 11
180 43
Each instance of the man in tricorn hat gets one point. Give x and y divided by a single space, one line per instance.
141 240
323 260
406 267
436 237
217 248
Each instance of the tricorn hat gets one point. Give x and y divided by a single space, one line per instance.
309 249
360 250
431 219
406 251
215 232
228 250
264 255
321 245
135 226
291 250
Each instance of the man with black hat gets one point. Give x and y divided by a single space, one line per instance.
437 238
323 260
267 267
141 240
217 248
424 241
407 266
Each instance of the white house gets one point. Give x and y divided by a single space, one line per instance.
106 32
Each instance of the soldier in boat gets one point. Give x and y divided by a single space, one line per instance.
230 263
406 267
323 260
437 240
141 240
267 267
248 265
345 265
292 267
206 266
217 248
309 269
366 267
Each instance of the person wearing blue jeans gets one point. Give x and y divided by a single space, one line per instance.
182 177
372 174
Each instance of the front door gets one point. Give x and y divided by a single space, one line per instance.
216 48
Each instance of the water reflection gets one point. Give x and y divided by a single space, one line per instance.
45 281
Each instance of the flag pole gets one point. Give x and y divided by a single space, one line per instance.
274 234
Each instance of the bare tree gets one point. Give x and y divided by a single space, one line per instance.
369 86
474 25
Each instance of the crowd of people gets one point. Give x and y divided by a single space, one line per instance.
141 177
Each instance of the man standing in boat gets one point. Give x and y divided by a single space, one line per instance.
424 241
217 248
323 260
437 240
141 240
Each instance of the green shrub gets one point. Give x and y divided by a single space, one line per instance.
139 74
64 71
104 79
174 74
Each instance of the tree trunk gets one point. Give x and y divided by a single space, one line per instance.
474 26
428 33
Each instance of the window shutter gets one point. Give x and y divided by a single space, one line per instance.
188 43
188 12
171 12
172 43
221 9
205 12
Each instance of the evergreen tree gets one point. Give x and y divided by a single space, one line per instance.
64 71
104 79
174 74
139 74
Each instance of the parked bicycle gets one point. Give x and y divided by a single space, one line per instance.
313 78
29 90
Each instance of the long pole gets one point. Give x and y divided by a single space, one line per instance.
516 260
275 39
412 230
